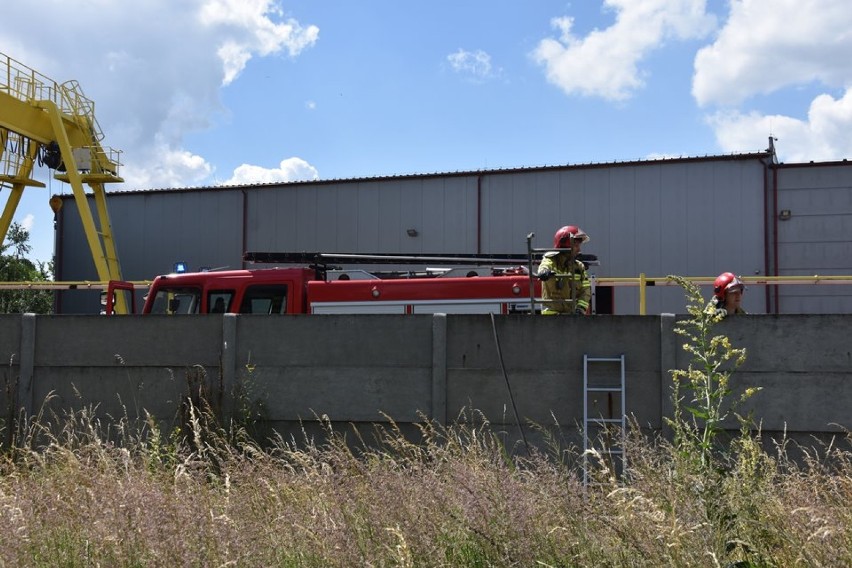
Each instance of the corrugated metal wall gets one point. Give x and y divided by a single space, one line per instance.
693 217
817 237
365 216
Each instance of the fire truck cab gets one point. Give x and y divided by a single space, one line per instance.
266 291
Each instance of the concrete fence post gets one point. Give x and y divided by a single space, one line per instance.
27 364
668 361
229 365
439 368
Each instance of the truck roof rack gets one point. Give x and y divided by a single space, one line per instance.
324 259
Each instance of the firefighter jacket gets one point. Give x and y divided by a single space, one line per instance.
565 287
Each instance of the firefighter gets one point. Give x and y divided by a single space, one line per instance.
727 294
565 285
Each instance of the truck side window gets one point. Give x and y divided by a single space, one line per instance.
265 299
219 301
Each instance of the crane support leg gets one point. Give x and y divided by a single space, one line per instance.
102 248
106 231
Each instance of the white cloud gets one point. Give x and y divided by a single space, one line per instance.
163 167
822 137
154 71
605 63
769 44
251 30
766 47
28 221
476 64
291 169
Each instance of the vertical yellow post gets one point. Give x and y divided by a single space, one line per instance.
642 294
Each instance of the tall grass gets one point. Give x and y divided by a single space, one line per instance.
454 498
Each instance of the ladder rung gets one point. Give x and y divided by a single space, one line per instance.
605 420
612 359
604 389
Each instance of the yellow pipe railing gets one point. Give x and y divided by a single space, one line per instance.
70 285
642 282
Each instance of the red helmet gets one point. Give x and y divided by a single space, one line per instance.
724 282
566 232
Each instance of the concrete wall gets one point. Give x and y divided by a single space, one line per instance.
365 369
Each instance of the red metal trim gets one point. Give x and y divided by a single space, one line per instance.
766 237
479 214
245 224
775 233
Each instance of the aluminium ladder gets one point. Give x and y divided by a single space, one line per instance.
602 421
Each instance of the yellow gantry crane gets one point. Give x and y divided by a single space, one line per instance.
44 122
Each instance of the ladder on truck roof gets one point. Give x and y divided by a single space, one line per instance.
323 263
324 259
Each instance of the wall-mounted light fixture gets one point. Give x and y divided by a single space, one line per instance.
785 214
411 232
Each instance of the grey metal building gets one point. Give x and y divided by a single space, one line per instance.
687 216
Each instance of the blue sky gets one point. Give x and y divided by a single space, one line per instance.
212 92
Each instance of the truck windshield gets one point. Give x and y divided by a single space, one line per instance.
177 301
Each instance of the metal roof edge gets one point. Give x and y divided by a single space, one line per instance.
495 171
813 164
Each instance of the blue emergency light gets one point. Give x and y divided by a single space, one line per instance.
180 267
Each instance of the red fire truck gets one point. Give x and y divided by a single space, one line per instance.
323 288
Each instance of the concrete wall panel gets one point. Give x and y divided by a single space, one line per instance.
10 337
792 343
353 340
116 341
358 368
345 394
800 402
112 394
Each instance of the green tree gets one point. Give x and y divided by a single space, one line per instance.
16 267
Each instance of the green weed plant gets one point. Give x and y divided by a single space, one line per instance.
702 394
